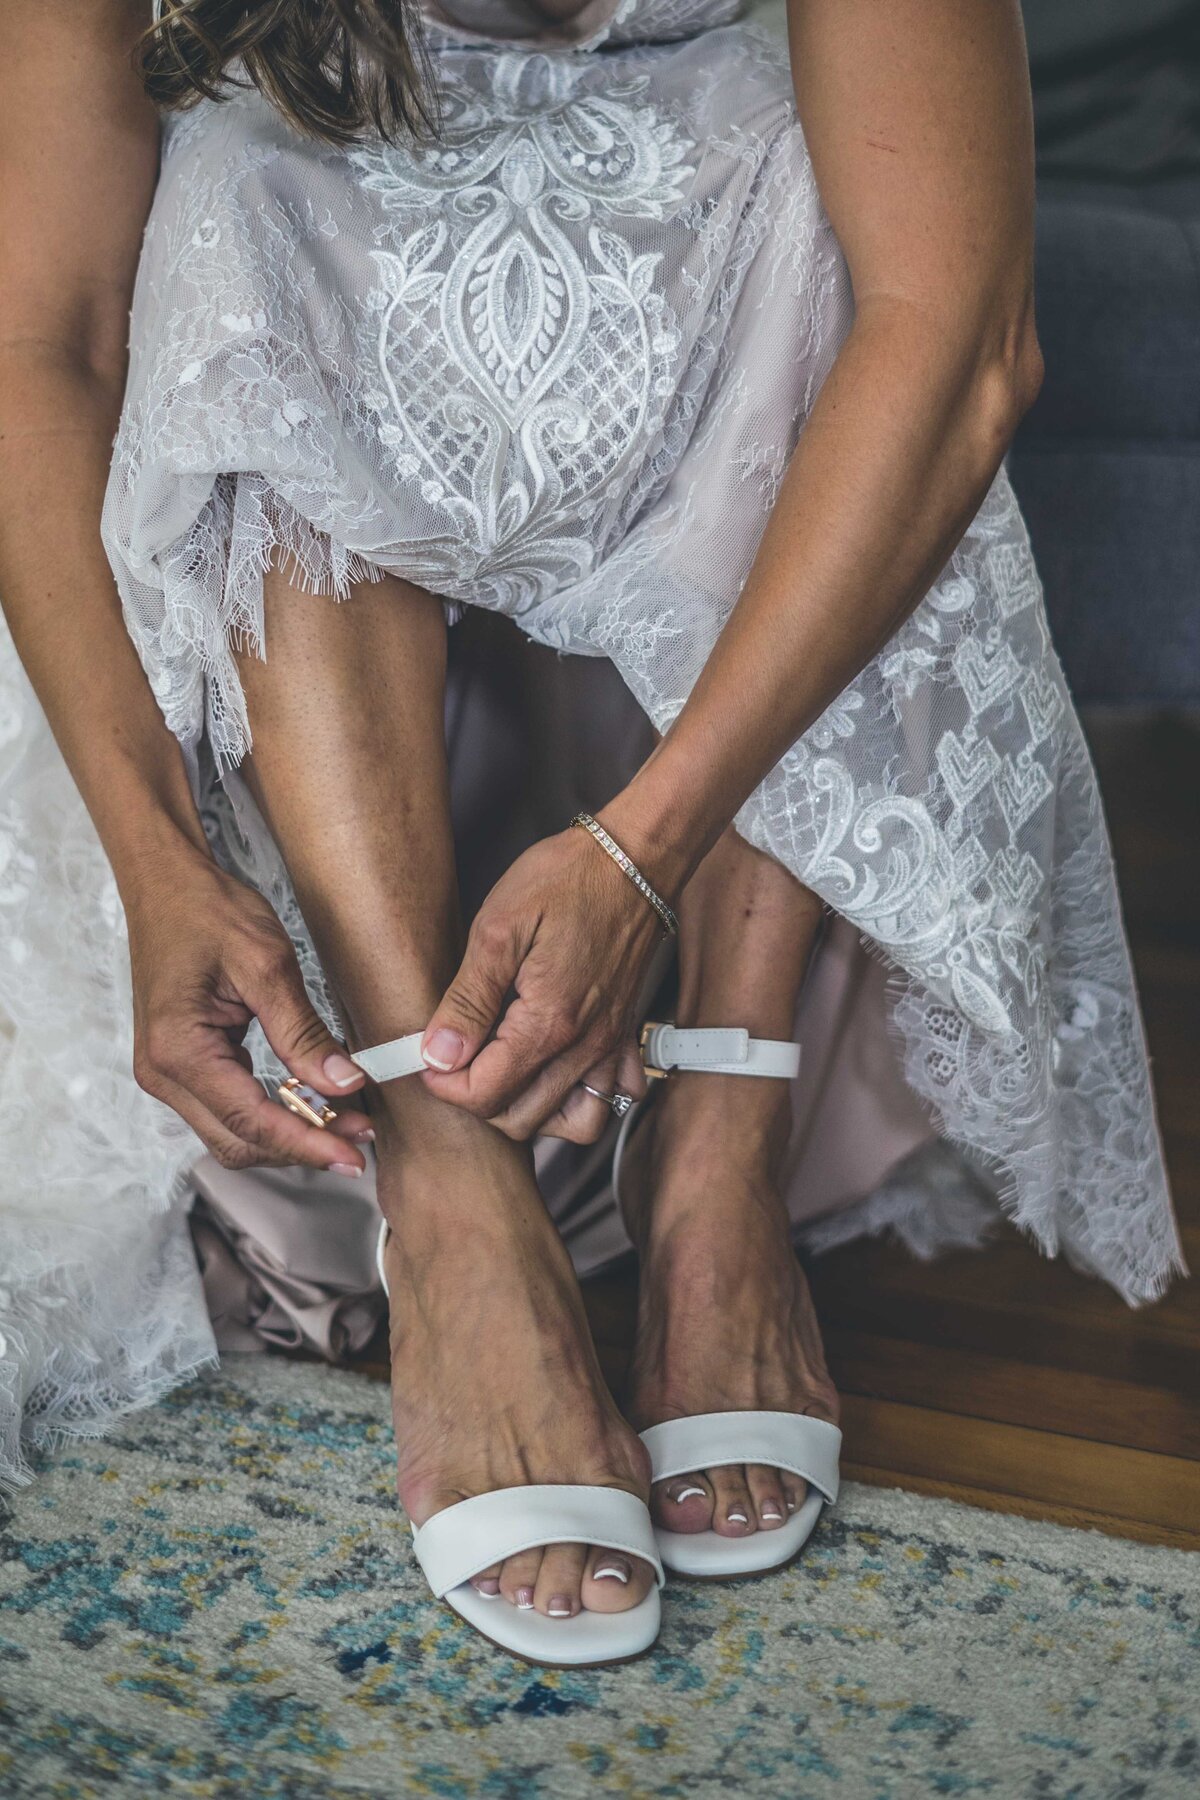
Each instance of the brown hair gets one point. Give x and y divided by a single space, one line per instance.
338 70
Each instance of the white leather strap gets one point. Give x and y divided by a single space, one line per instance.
387 1062
793 1441
720 1050
465 1539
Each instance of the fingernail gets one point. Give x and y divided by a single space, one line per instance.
524 1598
686 1493
560 1607
364 1137
613 1571
443 1049
346 1169
737 1518
340 1070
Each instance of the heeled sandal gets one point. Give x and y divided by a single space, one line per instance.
804 1446
462 1540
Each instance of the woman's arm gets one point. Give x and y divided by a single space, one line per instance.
918 119
917 116
78 164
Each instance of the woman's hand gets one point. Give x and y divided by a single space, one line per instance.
208 956
572 936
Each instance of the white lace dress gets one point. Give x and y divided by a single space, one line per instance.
553 366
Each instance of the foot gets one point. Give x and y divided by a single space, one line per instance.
495 1381
725 1317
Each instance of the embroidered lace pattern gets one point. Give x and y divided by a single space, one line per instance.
553 365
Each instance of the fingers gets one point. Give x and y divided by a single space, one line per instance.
580 1119
274 991
529 1060
471 1005
209 1083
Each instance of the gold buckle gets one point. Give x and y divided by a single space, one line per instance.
652 1070
305 1102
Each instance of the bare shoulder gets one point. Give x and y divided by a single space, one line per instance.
78 159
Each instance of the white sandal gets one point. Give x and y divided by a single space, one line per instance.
802 1445
462 1540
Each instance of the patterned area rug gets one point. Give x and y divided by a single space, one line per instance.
219 1602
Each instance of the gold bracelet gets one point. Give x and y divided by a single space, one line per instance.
666 917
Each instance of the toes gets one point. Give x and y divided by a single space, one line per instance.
733 1511
684 1503
488 1583
766 1491
613 1582
519 1576
560 1579
795 1492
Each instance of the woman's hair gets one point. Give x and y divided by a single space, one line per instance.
338 70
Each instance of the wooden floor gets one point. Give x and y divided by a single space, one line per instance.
997 1377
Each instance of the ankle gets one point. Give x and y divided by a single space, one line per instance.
724 1121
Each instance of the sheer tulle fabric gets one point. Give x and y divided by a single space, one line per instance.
553 366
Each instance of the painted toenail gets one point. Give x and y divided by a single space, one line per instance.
791 1505
560 1607
524 1598
771 1515
488 1586
737 1518
613 1572
489 1594
686 1493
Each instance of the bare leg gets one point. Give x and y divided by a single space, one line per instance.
725 1316
494 1379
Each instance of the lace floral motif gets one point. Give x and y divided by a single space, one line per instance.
566 347
556 366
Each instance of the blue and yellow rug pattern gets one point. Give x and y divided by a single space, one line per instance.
218 1602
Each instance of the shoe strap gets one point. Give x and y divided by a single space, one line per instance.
718 1050
463 1540
704 1049
387 1062
803 1445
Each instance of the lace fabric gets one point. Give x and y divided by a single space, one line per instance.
555 365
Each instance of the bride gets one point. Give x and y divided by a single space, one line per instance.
596 316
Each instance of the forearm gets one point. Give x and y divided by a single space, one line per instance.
902 445
57 420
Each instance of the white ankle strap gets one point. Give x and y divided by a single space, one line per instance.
387 1062
717 1050
712 1050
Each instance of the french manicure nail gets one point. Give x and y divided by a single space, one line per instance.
791 1506
524 1598
443 1049
559 1607
737 1518
364 1137
771 1515
488 1593
613 1572
346 1169
686 1494
340 1070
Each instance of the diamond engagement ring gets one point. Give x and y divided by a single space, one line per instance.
620 1103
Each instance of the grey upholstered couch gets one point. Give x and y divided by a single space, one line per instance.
1107 465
